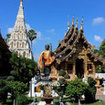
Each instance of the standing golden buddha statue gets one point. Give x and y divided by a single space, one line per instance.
45 60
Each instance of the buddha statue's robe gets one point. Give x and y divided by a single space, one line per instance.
48 59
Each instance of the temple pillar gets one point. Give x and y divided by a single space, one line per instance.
66 66
85 64
85 68
74 71
93 67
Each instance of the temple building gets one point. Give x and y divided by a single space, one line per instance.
4 58
74 54
18 40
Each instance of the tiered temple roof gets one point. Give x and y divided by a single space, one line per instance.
4 58
68 47
3 45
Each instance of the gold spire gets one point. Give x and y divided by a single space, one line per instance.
21 0
77 22
68 25
82 24
73 21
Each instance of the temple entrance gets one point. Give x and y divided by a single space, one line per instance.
79 68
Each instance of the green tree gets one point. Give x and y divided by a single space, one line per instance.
16 88
23 69
8 35
102 49
75 89
90 92
32 35
3 90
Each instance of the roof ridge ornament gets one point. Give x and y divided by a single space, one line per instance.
82 24
65 33
77 22
0 30
68 25
73 21
21 2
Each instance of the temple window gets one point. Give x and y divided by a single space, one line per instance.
18 36
24 54
11 44
22 44
17 44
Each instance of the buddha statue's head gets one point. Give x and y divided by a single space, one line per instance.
47 47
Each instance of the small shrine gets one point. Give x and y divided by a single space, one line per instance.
74 53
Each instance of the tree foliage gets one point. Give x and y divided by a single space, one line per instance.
3 90
90 92
75 88
101 52
62 72
23 69
32 35
21 100
15 88
102 49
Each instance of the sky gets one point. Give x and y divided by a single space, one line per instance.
49 19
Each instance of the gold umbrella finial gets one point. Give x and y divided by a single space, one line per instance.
73 21
68 25
82 24
77 22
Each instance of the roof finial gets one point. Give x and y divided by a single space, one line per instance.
82 24
0 30
77 22
21 0
73 21
68 25
65 32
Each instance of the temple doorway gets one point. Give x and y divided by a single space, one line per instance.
80 68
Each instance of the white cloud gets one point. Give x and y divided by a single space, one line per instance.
97 38
47 38
98 20
51 31
28 27
10 30
36 57
39 35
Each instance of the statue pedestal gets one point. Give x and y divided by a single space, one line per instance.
48 100
98 82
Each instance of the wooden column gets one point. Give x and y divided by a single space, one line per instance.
74 70
93 67
85 63
66 66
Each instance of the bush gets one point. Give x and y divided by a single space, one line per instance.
90 92
75 88
62 73
21 100
91 81
67 76
61 81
